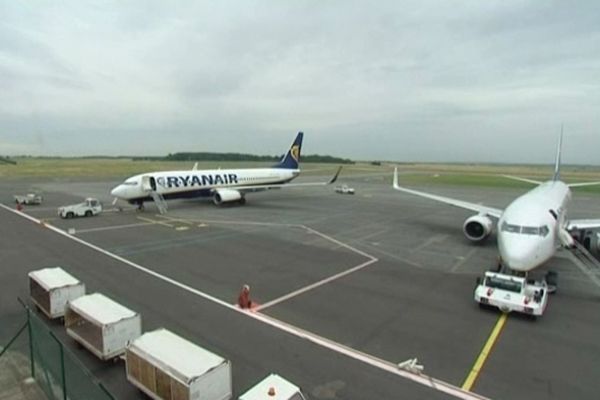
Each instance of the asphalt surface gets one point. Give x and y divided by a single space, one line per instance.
413 298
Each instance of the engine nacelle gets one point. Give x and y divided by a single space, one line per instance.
226 196
477 227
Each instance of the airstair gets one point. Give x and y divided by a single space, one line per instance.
159 200
586 262
586 258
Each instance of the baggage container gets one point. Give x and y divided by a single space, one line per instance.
166 366
51 288
101 325
273 387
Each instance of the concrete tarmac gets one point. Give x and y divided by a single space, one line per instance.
412 299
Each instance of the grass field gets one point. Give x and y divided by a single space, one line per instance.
412 174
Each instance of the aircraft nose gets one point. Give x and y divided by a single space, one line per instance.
117 191
518 255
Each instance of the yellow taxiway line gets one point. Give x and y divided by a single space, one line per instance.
485 352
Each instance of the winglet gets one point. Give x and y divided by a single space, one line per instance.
195 167
395 183
556 175
335 176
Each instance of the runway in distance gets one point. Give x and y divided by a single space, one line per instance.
531 228
223 185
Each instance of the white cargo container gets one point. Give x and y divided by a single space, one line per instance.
166 366
273 387
51 288
101 325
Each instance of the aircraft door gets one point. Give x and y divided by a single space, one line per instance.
148 183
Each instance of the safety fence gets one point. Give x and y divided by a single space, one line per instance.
56 370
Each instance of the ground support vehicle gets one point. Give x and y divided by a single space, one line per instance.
88 208
512 293
273 387
28 199
344 189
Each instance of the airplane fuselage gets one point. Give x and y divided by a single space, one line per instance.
529 228
198 183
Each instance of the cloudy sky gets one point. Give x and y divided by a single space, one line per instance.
395 80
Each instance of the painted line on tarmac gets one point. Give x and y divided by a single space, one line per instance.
227 222
153 221
315 285
108 228
485 352
425 380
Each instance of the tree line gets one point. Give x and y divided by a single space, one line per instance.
206 156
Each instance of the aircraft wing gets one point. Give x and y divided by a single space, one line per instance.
583 224
518 178
257 188
492 212
582 184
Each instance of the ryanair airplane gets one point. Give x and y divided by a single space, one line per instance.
223 185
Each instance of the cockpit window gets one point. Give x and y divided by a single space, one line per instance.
525 230
530 230
506 227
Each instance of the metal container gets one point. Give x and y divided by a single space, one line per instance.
101 325
166 366
51 288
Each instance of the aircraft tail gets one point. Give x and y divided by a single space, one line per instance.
556 175
292 157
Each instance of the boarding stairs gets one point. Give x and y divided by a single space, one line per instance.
586 262
583 255
159 200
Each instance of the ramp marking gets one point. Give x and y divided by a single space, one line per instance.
422 379
485 352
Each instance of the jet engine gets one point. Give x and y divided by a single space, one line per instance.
227 196
477 227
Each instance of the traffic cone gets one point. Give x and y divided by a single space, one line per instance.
271 391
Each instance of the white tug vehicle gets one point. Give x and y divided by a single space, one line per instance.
514 293
88 208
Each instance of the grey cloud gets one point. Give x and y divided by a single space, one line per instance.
403 80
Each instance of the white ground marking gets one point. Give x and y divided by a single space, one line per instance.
422 379
315 285
153 221
109 228
429 242
461 261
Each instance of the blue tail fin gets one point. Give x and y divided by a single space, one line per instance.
292 157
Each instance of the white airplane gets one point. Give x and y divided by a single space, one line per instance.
223 185
531 228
